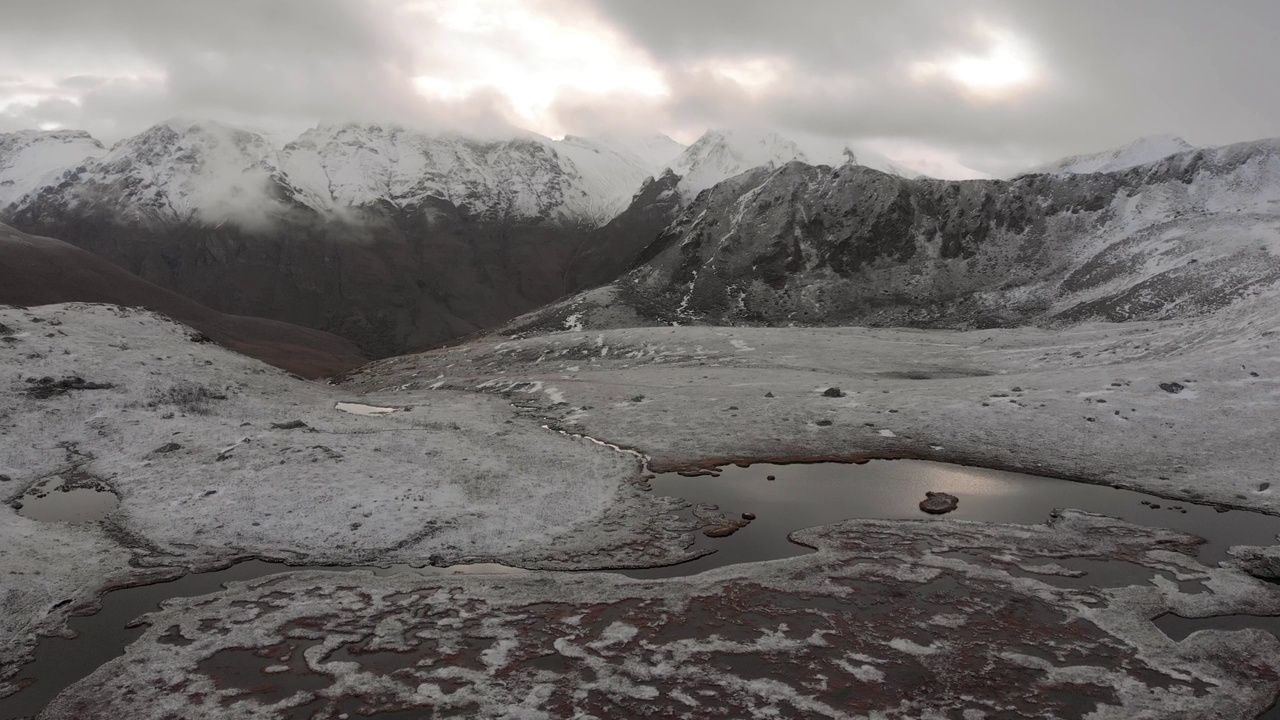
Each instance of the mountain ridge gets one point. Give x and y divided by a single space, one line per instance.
814 245
1141 151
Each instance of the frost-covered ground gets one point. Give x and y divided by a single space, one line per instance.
216 456
1182 408
925 619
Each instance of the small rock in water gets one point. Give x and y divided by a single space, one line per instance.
937 503
1172 387
771 478
748 516
833 392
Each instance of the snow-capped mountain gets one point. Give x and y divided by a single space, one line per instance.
180 171
28 158
1184 235
722 154
1143 151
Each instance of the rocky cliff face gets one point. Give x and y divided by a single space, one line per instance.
816 245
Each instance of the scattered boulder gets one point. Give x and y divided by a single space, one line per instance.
638 398
1173 388
290 425
47 387
166 448
823 423
833 392
720 531
938 503
768 394
1260 562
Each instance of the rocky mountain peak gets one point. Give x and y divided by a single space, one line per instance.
723 153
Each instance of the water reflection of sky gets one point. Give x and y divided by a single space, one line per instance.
806 495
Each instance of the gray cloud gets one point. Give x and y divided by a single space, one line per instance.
281 65
1114 70
830 69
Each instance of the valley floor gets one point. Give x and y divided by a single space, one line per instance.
216 457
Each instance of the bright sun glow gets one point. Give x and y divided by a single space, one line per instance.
1006 67
530 58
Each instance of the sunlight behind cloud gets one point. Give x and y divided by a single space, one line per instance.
529 54
1007 68
754 75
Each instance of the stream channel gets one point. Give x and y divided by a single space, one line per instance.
798 496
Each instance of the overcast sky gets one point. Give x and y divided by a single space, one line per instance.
985 86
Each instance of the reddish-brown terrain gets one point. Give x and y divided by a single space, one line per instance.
41 271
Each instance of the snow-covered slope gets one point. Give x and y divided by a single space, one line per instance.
353 166
1143 151
574 180
603 175
722 154
658 151
31 158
